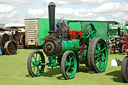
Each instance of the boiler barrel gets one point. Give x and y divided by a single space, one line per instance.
70 45
54 47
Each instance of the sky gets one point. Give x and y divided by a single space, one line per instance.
16 11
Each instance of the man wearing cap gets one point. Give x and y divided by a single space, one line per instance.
63 22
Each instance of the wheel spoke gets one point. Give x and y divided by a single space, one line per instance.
33 70
98 64
103 58
38 69
70 59
96 51
72 68
101 65
98 46
67 71
97 60
32 62
67 64
100 43
33 66
39 58
36 55
34 58
96 56
124 49
72 63
103 49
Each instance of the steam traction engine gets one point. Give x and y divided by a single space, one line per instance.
7 45
69 49
121 44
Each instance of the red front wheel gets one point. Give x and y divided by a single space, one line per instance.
124 49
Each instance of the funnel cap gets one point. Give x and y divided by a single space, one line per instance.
51 4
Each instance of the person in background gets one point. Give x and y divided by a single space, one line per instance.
1 46
63 22
108 42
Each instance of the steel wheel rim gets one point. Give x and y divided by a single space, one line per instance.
90 32
11 48
127 69
101 56
124 49
70 65
36 66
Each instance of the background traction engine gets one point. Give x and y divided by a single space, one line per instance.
121 44
8 46
117 46
68 49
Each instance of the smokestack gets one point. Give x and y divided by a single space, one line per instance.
51 9
118 31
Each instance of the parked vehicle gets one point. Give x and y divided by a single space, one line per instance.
8 46
68 49
113 32
120 43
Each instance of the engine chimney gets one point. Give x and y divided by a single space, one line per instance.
118 31
51 9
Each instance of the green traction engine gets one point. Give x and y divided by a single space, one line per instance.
68 49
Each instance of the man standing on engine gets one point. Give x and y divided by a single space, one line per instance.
61 22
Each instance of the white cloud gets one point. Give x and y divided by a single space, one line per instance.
7 13
11 17
76 2
12 14
126 18
67 13
16 2
5 8
111 7
34 13
118 15
101 19
11 10
115 11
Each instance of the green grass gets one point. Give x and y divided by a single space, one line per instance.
13 71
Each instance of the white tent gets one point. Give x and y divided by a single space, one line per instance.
14 25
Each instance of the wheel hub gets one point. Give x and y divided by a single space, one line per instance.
71 65
36 63
100 55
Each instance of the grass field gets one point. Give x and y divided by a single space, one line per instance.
13 71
